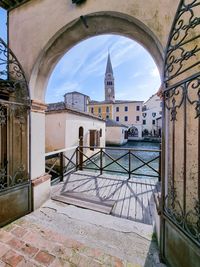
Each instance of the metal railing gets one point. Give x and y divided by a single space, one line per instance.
126 161
60 162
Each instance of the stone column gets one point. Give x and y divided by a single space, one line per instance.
40 180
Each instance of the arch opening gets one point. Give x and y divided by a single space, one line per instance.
75 32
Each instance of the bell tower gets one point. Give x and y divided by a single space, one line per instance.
109 82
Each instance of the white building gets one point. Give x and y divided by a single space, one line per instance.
151 112
116 133
64 127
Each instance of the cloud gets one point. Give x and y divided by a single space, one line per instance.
83 68
154 72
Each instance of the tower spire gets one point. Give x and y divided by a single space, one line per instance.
109 81
109 65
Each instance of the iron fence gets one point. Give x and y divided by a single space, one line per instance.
126 161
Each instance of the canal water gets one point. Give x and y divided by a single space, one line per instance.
144 163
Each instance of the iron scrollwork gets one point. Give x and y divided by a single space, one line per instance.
14 112
182 91
183 52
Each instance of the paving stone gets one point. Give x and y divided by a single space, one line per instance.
29 250
62 263
15 243
3 249
62 252
9 227
43 257
19 231
5 236
12 258
27 263
37 240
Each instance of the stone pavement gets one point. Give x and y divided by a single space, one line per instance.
63 235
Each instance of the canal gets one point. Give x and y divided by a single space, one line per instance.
143 161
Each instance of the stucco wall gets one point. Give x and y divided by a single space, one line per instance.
39 40
65 130
132 113
153 105
115 135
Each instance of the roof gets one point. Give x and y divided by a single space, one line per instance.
10 4
112 123
109 65
61 107
93 102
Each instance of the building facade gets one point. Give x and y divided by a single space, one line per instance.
69 126
125 112
151 116
76 100
116 133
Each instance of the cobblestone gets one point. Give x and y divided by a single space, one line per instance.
28 242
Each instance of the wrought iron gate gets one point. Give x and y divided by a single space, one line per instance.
181 185
15 189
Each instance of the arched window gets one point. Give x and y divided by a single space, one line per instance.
81 132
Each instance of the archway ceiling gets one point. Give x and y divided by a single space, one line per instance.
10 4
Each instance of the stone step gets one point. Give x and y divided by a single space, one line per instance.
85 201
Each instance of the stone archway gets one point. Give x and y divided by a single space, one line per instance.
83 28
49 30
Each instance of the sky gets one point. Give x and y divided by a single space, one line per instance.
83 67
3 19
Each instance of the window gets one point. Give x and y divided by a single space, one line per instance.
107 117
144 122
144 108
125 134
92 110
109 83
117 118
160 104
117 109
100 132
126 108
153 122
99 110
138 108
160 112
153 114
137 118
107 109
126 118
92 139
144 114
80 133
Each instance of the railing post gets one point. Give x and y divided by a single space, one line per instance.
61 167
81 153
159 178
129 164
101 161
77 159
